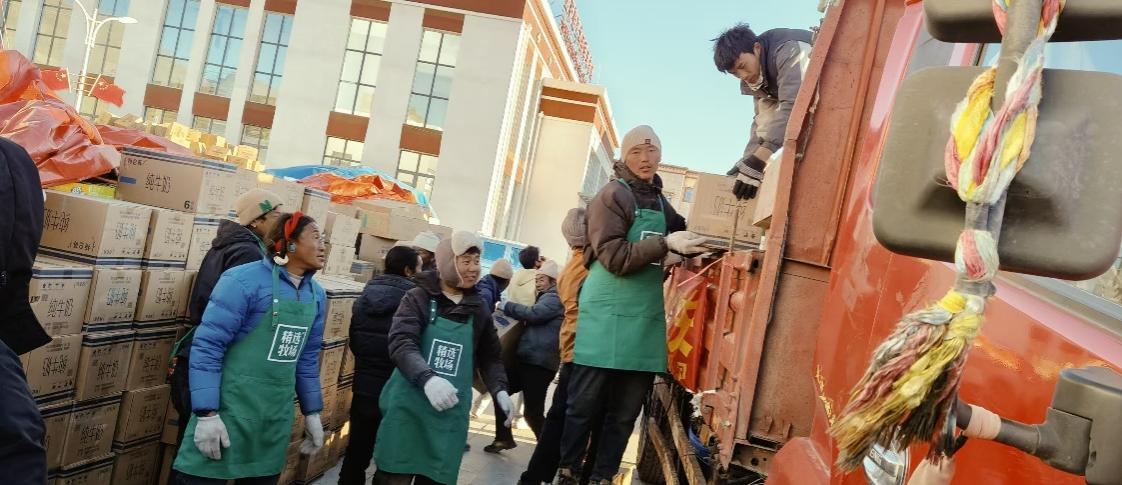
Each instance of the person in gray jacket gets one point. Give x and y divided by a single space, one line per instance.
538 350
770 68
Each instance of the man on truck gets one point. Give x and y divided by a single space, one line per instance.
770 67
621 341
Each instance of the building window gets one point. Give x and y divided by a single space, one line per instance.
224 51
433 82
107 46
11 19
270 58
360 67
342 152
159 116
256 137
418 170
209 125
174 51
50 41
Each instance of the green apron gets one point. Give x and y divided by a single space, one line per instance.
414 438
258 383
622 320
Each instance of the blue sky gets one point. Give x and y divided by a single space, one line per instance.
656 60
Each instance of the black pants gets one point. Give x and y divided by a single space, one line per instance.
365 419
619 395
23 459
387 478
183 479
535 385
543 463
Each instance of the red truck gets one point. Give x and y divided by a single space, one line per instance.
793 324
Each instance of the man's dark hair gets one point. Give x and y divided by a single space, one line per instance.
277 234
730 44
399 258
529 257
473 250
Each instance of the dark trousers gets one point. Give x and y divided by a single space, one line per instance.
365 419
23 459
543 463
619 395
183 479
387 478
535 385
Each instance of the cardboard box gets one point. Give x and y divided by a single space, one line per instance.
339 260
393 226
341 295
769 191
193 134
292 193
444 232
148 362
347 210
374 249
315 204
714 213
94 231
347 368
330 362
217 152
312 467
171 425
246 152
142 415
58 293
244 181
210 139
103 365
113 297
176 182
189 282
137 465
98 470
291 463
297 426
52 370
395 207
169 239
343 398
364 271
327 415
206 229
176 130
161 291
341 229
343 438
167 459
56 422
92 426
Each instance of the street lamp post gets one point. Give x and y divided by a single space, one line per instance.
93 25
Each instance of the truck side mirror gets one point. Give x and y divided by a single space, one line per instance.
1064 214
1094 394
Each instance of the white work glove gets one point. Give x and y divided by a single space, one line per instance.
441 393
672 259
313 434
686 242
502 399
211 436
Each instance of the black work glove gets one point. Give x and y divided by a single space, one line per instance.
749 172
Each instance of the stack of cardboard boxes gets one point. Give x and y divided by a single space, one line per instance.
111 287
203 145
384 224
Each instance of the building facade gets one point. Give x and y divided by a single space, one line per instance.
446 95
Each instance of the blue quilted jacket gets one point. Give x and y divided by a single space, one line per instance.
239 300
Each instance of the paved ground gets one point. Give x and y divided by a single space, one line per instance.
482 468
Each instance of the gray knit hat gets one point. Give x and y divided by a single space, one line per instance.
575 228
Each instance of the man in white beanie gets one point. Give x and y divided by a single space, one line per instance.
441 333
621 329
425 244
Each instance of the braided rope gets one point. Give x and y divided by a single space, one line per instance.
912 380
